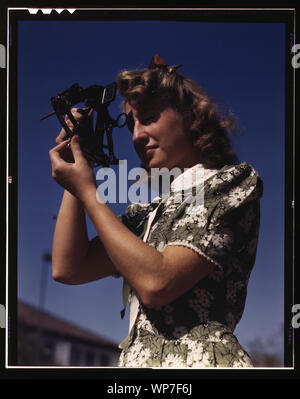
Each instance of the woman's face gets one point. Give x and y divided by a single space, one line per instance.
159 138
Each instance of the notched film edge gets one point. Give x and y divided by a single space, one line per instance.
91 140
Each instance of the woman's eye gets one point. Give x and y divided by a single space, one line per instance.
144 120
150 118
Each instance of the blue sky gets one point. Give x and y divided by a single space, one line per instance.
242 65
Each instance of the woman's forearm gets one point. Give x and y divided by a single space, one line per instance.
70 242
138 262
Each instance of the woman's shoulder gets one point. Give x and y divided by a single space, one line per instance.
235 175
240 181
242 169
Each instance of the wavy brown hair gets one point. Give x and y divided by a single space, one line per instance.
209 130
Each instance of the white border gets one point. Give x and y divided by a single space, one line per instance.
15 182
7 186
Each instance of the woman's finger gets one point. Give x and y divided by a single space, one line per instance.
61 137
55 151
79 114
57 160
76 149
62 134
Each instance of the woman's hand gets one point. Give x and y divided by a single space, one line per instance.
76 177
81 116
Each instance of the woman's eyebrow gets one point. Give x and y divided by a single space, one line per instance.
152 114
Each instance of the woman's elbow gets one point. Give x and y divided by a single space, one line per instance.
60 275
155 297
59 278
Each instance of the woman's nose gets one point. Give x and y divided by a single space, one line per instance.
140 134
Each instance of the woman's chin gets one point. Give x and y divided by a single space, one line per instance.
155 163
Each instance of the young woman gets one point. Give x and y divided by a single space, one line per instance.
185 264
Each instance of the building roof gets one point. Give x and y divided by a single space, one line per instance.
33 317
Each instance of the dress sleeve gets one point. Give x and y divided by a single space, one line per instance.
224 228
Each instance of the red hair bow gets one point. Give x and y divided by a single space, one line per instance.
158 62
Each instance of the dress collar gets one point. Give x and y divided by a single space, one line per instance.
191 177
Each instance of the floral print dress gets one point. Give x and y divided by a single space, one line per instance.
196 330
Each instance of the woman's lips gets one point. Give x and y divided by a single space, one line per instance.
149 151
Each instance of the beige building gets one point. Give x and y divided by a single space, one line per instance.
47 340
